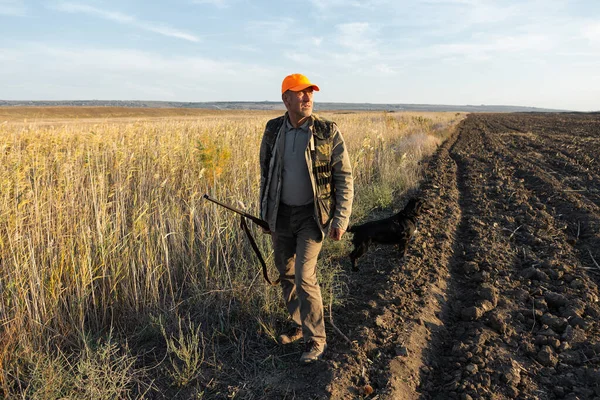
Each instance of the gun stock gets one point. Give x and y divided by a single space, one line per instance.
262 223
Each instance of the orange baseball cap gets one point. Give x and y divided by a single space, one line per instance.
296 83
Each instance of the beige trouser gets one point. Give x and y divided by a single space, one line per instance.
297 243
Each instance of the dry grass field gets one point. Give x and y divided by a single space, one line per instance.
118 281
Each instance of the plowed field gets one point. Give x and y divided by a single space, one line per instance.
498 296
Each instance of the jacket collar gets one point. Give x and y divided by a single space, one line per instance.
311 124
305 125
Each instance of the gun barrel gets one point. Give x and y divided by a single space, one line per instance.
254 219
230 208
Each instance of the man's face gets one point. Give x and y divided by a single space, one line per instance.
299 103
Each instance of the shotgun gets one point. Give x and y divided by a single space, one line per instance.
262 223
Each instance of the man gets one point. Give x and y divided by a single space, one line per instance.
306 192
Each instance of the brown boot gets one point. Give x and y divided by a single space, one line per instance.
291 336
313 352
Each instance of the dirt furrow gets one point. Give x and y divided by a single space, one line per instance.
580 152
433 248
521 320
398 320
477 310
575 213
572 175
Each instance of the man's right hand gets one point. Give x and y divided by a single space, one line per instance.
336 233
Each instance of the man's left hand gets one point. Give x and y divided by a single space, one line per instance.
336 233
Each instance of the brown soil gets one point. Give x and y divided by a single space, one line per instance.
498 296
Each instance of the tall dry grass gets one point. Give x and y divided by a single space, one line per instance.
103 230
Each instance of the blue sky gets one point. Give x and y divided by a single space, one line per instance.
542 53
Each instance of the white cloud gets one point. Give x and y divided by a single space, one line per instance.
270 28
126 20
446 18
300 59
83 73
385 69
7 55
279 31
247 48
592 32
324 4
216 3
122 60
472 12
361 4
490 13
356 36
15 8
482 48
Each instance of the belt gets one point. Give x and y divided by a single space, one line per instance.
285 207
